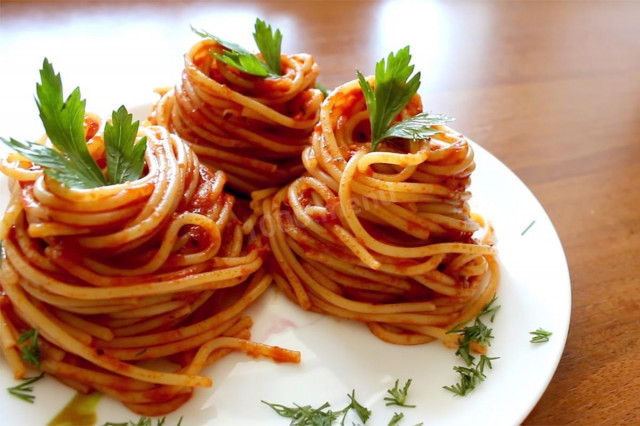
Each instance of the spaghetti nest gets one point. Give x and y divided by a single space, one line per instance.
252 128
117 276
385 237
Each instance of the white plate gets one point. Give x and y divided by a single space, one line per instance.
339 356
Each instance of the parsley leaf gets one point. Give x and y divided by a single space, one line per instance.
59 167
64 124
394 88
417 127
125 157
249 64
393 91
24 389
269 44
226 44
71 163
30 349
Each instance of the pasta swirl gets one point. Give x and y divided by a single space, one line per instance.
386 237
252 128
157 268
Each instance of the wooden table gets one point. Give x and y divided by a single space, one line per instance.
552 89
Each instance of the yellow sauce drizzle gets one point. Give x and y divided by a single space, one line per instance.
80 411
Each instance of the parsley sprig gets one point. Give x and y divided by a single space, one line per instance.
399 396
269 43
63 121
394 88
540 336
70 161
480 333
30 348
25 389
125 156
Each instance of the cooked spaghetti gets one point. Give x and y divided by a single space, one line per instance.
387 237
252 128
116 276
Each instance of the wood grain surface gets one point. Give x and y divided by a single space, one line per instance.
550 88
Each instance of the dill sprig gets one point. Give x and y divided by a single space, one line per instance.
363 412
470 376
480 333
399 396
307 415
24 390
540 336
30 348
396 419
143 421
302 415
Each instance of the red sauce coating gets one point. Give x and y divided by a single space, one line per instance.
91 127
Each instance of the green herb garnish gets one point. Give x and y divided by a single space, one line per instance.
394 88
363 412
269 44
143 421
527 228
399 396
324 89
24 389
473 373
396 419
306 415
470 376
70 162
125 156
30 348
478 332
63 121
490 309
540 336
